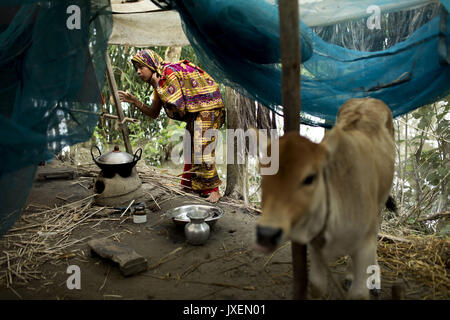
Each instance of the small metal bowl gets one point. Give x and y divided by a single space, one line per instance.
180 218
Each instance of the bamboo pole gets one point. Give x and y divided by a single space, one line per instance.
291 60
291 99
113 86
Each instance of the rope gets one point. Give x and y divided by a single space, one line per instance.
319 241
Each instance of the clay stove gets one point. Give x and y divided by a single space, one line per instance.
117 190
118 182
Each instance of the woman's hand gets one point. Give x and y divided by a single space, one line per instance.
127 97
154 80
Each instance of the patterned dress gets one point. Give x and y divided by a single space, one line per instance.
191 95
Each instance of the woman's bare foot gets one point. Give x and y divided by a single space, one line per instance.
213 197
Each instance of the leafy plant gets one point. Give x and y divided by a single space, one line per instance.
422 175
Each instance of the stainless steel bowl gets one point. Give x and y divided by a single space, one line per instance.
180 218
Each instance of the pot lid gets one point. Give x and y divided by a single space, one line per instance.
115 157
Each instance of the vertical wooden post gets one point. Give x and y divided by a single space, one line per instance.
113 86
300 272
291 99
290 60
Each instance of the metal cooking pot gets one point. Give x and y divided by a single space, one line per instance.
180 214
116 161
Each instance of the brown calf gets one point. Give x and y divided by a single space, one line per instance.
329 195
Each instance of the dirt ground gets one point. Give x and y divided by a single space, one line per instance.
226 267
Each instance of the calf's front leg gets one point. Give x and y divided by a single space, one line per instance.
363 257
318 274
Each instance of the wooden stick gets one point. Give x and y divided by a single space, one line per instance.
16 293
291 61
189 171
117 102
383 236
104 281
112 296
38 206
436 216
173 177
79 183
272 255
291 92
126 119
27 227
131 203
154 200
164 259
299 265
225 285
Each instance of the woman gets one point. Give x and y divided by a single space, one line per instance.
189 94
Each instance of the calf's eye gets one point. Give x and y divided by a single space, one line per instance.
309 179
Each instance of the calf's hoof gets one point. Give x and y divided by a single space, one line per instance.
347 283
376 293
316 293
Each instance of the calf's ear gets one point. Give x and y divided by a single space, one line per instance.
330 143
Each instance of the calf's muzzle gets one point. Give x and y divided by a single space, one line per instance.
268 236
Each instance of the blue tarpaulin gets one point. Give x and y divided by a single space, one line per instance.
238 43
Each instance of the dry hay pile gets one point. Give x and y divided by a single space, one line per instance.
44 237
421 258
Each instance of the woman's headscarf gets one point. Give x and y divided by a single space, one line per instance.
182 84
150 59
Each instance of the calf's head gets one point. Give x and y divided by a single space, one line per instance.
293 197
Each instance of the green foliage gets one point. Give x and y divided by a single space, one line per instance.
435 129
424 171
444 231
255 180
152 155
99 137
137 134
188 53
159 149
